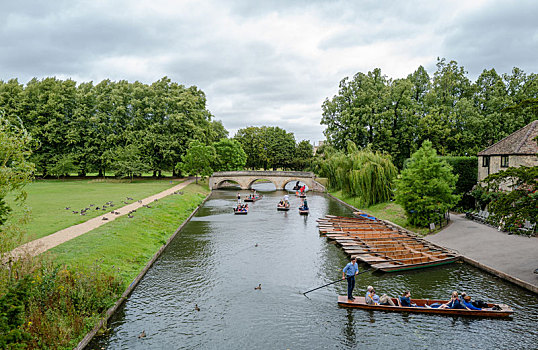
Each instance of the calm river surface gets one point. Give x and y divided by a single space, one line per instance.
214 263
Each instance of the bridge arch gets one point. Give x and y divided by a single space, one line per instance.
253 180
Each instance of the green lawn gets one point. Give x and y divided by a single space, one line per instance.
386 211
128 244
47 200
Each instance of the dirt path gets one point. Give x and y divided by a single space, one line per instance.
45 243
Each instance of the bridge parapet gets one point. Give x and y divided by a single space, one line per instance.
245 179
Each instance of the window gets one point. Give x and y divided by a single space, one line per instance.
504 161
485 161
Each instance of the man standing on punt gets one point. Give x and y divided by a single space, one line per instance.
349 273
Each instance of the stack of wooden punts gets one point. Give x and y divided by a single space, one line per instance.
383 246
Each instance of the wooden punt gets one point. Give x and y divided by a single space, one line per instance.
303 211
393 266
252 198
282 208
359 302
239 212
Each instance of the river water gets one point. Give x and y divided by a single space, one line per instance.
214 263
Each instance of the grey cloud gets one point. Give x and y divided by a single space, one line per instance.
498 36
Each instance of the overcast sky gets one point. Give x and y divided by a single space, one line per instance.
261 62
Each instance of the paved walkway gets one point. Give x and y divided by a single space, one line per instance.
43 244
514 255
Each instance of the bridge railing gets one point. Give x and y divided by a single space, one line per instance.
263 173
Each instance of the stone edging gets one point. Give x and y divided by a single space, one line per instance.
500 274
86 340
470 261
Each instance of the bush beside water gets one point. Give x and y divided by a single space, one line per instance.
46 308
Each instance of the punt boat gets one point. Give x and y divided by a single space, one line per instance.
240 212
252 198
303 211
282 207
360 302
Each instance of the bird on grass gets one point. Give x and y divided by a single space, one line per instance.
196 307
258 287
130 216
142 335
67 208
129 199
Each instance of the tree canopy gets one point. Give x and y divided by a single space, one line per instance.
84 126
425 187
458 116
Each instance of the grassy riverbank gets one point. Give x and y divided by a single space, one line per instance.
390 211
125 245
47 200
66 290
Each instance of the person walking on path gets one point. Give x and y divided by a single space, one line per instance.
349 273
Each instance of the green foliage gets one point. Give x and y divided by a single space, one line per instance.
520 202
358 173
13 334
15 172
86 125
229 155
128 162
198 159
458 116
304 154
64 165
267 147
425 188
467 170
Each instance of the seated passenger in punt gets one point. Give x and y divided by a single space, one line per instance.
466 301
454 303
373 299
405 300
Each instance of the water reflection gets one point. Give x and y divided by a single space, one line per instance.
218 259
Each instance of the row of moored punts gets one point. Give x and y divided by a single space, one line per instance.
383 246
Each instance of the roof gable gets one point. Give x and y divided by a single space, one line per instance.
520 142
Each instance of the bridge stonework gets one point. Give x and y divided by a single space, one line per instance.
245 179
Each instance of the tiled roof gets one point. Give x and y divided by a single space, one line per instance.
520 142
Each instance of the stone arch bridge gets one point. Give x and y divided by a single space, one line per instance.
245 179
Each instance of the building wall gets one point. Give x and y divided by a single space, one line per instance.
513 161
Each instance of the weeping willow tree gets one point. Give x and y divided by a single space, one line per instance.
363 174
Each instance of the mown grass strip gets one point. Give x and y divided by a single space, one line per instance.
47 200
126 245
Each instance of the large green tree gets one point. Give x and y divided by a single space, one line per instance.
426 187
229 155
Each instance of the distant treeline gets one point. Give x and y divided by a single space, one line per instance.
86 128
458 116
